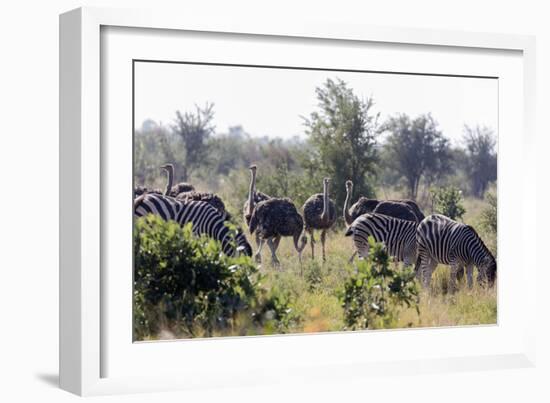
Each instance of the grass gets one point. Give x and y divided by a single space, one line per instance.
314 295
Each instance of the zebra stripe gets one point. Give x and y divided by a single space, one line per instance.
205 219
442 240
399 236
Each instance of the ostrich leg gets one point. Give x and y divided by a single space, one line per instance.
312 244
273 245
258 255
323 238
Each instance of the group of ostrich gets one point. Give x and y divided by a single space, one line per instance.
407 234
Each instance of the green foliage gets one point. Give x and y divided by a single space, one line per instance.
448 201
187 281
488 220
416 150
373 296
481 158
342 134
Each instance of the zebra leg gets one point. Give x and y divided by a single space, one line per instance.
455 268
460 273
352 257
258 255
427 271
273 245
470 275
323 238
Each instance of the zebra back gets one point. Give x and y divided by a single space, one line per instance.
205 219
399 236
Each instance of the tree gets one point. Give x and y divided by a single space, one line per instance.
448 201
342 132
416 150
194 130
481 158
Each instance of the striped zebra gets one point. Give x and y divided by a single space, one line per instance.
205 219
442 240
399 236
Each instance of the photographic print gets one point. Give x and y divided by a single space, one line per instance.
275 200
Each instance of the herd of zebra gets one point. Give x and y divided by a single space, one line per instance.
408 235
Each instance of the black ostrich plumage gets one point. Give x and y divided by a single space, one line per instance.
313 208
182 187
362 206
396 209
258 197
139 190
276 217
211 198
414 207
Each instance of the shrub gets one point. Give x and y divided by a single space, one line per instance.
488 220
373 296
448 201
188 283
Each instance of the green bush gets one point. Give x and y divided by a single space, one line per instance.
448 201
185 283
373 296
488 220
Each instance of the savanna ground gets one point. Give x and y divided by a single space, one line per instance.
312 291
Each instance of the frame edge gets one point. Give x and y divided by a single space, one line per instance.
70 276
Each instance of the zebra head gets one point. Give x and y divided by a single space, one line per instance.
242 244
488 271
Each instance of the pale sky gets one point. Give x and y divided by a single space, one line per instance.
269 102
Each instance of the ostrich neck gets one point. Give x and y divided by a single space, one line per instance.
324 215
251 193
170 174
347 216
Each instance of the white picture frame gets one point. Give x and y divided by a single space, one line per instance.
87 342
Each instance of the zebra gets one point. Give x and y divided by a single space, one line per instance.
442 240
205 219
399 236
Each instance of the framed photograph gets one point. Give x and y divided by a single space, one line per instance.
254 202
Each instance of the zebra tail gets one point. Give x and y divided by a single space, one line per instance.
349 231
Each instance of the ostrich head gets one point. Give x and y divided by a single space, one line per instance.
349 186
168 168
252 168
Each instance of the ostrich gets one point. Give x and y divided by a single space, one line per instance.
319 213
139 190
184 191
274 218
396 209
254 197
211 198
181 187
362 206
